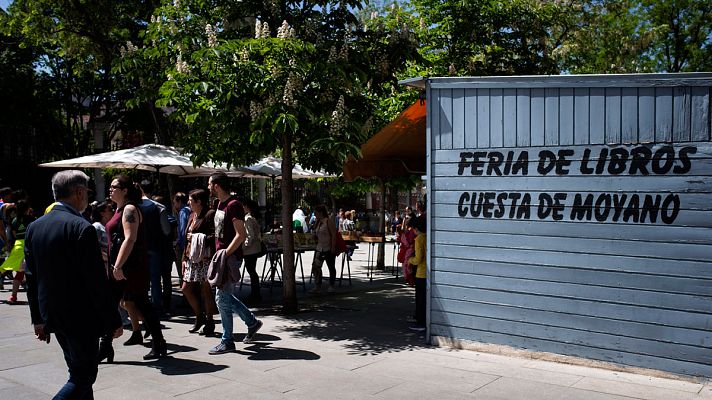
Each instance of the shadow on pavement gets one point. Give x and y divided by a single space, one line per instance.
370 321
265 352
178 366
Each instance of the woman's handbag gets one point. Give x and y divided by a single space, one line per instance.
340 244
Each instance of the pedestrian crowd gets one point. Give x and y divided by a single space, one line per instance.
93 269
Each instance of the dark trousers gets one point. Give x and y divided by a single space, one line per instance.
420 301
330 259
251 267
80 353
153 324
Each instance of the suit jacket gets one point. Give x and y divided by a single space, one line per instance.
67 286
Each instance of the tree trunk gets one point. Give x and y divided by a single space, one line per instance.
381 263
289 287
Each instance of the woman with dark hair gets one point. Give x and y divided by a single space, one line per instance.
128 259
251 248
325 232
200 246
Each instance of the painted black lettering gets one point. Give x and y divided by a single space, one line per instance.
488 205
513 197
545 202
618 162
558 208
618 204
633 209
585 169
666 154
685 160
641 157
522 164
499 212
667 215
547 162
495 161
463 162
476 205
601 164
524 209
603 207
477 164
461 208
562 162
582 209
651 208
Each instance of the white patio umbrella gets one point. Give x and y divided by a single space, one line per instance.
148 157
271 166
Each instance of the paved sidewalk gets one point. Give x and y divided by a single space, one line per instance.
351 345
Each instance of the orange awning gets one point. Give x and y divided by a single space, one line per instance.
396 150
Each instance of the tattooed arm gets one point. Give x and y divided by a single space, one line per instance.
130 219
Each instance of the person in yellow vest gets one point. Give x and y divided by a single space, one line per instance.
419 260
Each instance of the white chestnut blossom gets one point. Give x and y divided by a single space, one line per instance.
128 50
182 66
258 29
338 117
212 35
367 126
265 30
285 31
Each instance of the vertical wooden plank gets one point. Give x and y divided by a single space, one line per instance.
566 116
629 115
483 122
524 117
663 114
681 113
446 118
700 113
509 113
581 115
458 117
471 118
597 116
496 123
551 117
646 115
537 117
435 119
613 115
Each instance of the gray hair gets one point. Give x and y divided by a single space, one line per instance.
65 182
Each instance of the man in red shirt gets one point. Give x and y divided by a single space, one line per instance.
229 235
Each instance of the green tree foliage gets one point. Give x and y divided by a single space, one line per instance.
250 78
491 37
626 36
74 45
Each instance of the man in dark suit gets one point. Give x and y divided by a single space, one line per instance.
67 285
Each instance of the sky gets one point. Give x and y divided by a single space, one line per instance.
4 3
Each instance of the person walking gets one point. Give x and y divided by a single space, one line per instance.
128 258
67 286
200 239
229 235
182 213
419 260
251 248
325 232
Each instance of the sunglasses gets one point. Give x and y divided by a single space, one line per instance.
115 187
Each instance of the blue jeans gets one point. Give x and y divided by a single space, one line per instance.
228 303
80 354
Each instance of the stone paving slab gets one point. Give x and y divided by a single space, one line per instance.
351 345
